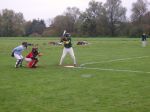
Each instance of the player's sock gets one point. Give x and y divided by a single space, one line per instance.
30 64
21 63
35 62
74 60
61 60
17 63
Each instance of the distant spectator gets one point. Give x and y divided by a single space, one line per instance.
144 39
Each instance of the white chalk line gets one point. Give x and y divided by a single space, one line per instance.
109 61
82 66
114 70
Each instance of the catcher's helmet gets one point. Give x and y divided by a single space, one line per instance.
35 51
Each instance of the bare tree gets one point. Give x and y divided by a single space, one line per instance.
73 12
116 14
92 21
67 21
139 9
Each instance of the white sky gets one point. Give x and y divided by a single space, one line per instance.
46 9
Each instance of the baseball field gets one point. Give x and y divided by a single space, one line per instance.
113 75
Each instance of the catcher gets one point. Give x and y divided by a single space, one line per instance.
32 59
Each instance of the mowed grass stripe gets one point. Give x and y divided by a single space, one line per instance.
51 88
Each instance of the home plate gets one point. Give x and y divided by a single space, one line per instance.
69 66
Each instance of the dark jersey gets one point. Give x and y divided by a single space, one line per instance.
67 42
144 36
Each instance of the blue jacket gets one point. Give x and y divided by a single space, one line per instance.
18 50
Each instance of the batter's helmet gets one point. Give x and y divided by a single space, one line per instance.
67 35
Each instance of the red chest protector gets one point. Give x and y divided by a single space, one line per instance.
30 55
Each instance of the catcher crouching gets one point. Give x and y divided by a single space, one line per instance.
32 58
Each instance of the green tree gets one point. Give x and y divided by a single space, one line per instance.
35 28
38 26
12 24
0 24
28 28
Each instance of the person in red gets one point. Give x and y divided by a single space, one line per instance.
32 59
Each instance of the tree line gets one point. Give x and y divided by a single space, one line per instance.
99 19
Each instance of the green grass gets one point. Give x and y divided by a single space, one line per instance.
51 88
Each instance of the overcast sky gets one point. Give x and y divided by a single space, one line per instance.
46 9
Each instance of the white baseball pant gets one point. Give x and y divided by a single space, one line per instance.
65 52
